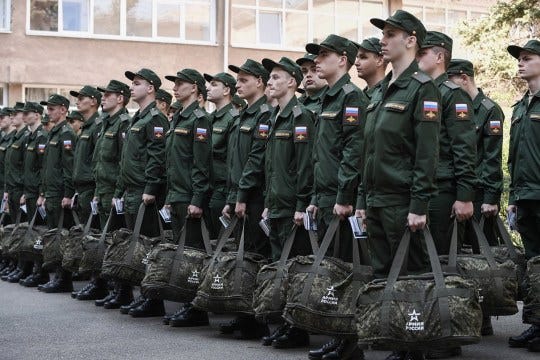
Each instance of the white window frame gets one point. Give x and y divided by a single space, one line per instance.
123 18
5 26
4 94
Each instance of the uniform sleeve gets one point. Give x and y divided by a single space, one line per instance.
426 137
202 155
349 167
460 126
154 172
303 155
69 140
492 176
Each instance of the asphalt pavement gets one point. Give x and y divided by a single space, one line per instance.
34 325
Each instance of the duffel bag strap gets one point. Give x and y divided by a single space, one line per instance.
506 238
222 241
31 225
452 254
179 253
280 270
106 228
206 237
75 217
136 232
314 241
60 221
88 224
239 260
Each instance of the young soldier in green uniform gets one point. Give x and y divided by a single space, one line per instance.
220 89
7 132
337 156
312 84
57 184
189 165
76 120
33 161
289 176
163 101
106 169
142 170
524 168
246 179
370 64
175 106
402 127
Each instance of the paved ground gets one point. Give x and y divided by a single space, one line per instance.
41 326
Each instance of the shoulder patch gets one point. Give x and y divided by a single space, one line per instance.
348 88
158 132
488 103
199 113
68 145
264 108
234 112
201 135
301 134
297 111
451 85
430 110
262 131
351 115
462 111
154 111
495 127
421 77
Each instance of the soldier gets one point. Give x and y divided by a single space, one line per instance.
57 187
189 165
337 156
221 88
238 103
172 109
404 134
106 169
370 64
163 101
313 85
47 125
7 133
142 171
289 176
75 120
247 142
524 168
33 162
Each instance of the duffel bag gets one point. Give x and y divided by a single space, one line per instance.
93 249
72 250
496 282
23 238
322 290
125 256
418 312
531 299
51 243
173 271
6 231
229 278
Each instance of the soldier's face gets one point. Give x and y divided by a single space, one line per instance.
30 118
162 106
427 60
17 119
393 43
457 79
327 63
182 90
140 89
528 65
216 90
5 121
110 100
84 103
247 85
311 80
367 63
56 112
279 83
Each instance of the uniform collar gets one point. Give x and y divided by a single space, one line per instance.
286 112
219 113
338 85
58 126
318 94
477 101
108 119
20 133
91 120
441 79
142 113
188 110
256 105
404 79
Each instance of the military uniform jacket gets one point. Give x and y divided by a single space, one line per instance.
248 143
457 150
83 178
338 146
189 156
58 162
313 102
401 142
143 154
488 117
108 151
288 161
14 161
33 162
369 91
4 144
524 155
222 122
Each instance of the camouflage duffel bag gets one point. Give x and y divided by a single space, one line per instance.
229 278
72 249
322 290
125 256
50 243
93 249
531 299
422 312
173 271
23 237
270 295
496 282
5 235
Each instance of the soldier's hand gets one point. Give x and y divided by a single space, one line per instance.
194 211
66 203
511 209
40 201
416 222
22 200
264 214
343 211
95 199
148 199
361 214
463 210
113 202
299 218
489 209
313 210
226 211
240 209
6 196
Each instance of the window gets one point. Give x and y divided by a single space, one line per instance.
5 15
3 95
160 20
38 93
290 24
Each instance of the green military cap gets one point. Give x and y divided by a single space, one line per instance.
88 91
30 106
227 79
371 45
147 75
307 57
45 119
532 46
285 64
238 101
6 111
191 76
176 105
252 67
75 115
163 96
435 38
117 87
19 107
56 99
337 44
460 66
405 21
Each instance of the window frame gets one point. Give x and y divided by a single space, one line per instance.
5 26
123 26
4 97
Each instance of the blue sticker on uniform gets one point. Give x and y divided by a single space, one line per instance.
201 135
462 111
158 132
300 133
350 116
431 110
67 144
263 130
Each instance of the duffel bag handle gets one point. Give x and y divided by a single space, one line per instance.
239 260
106 228
505 237
88 224
182 241
31 225
223 240
135 236
482 244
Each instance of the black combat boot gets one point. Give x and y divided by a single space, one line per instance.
330 346
149 308
62 284
98 290
346 350
522 340
280 330
123 296
189 317
124 309
292 338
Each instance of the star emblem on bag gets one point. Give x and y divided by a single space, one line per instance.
331 291
414 315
